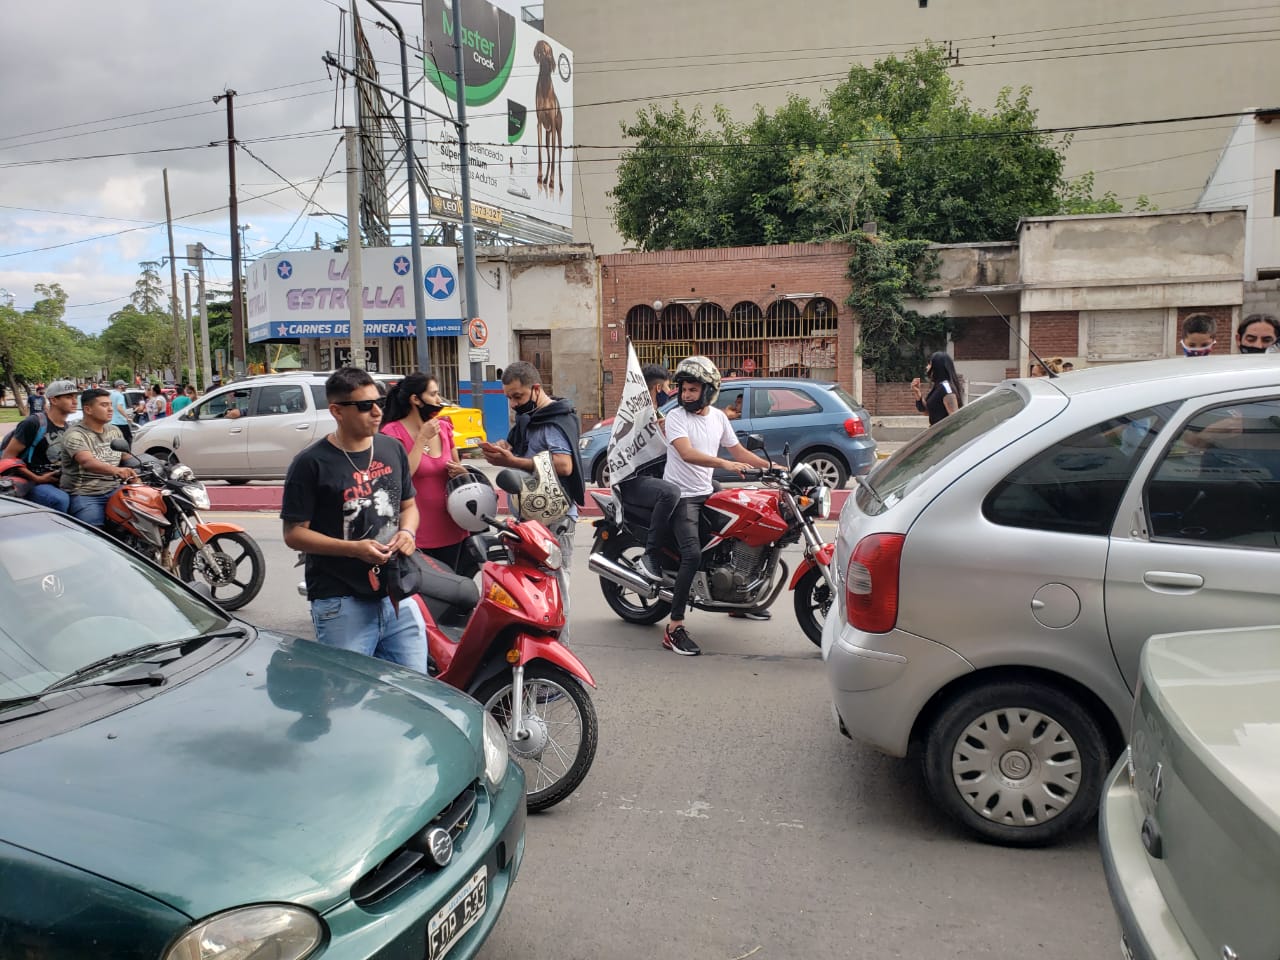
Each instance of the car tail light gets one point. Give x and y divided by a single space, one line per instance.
871 583
854 427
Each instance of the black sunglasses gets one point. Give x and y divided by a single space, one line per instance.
364 406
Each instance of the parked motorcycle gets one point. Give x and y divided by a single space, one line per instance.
743 531
159 518
499 642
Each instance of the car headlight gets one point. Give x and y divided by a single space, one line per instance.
198 495
554 556
584 442
247 933
495 751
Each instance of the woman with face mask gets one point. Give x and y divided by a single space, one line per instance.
413 417
1258 333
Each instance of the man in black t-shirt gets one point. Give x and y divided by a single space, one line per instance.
37 441
348 505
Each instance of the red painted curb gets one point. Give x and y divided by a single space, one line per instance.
267 499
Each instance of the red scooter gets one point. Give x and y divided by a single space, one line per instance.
500 643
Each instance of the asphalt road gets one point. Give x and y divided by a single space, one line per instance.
725 817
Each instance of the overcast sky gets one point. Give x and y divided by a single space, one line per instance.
87 79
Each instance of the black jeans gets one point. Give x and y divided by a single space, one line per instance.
684 527
656 495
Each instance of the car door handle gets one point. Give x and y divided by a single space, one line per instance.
302 426
1169 578
235 429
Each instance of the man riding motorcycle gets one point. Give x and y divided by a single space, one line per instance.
695 432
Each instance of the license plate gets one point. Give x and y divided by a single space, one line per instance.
459 915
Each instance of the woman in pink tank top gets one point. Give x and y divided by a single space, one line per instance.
413 418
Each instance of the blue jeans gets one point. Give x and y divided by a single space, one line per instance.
50 495
89 508
372 627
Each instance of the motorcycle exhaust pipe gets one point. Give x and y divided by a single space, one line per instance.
602 566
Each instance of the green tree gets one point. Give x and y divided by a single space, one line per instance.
37 344
142 340
148 293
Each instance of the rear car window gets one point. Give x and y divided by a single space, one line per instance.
907 468
846 398
1075 486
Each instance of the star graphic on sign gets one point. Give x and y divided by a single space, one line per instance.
400 265
439 283
285 269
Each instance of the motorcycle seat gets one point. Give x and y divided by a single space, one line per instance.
633 517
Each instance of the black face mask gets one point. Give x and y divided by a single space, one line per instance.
527 407
1244 349
427 411
693 406
663 397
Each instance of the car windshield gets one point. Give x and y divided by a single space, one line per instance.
71 597
894 478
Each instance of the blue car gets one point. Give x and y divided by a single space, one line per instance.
824 425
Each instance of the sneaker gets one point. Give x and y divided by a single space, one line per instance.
650 567
760 615
679 641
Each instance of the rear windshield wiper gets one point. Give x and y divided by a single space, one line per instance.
110 662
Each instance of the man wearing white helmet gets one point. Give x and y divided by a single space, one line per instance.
696 430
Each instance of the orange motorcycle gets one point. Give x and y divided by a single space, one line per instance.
159 518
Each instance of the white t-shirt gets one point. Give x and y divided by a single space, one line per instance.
707 434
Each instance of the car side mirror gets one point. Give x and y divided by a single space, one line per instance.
755 442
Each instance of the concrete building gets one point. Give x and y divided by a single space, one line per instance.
1247 174
1088 62
1091 290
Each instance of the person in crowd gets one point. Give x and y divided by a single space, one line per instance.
348 505
91 470
647 489
696 430
1198 335
1052 365
184 398
413 417
734 410
1068 366
543 423
157 403
1257 333
37 441
36 400
120 412
943 398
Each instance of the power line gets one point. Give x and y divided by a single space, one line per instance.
303 212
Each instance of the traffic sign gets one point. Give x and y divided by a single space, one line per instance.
478 355
478 332
748 366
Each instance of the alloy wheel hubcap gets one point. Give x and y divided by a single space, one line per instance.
827 471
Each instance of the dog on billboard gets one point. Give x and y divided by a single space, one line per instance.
549 119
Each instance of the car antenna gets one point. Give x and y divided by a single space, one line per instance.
1043 366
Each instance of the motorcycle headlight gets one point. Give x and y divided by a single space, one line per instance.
198 495
268 930
554 555
495 751
823 500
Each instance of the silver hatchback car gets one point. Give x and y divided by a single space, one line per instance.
1003 570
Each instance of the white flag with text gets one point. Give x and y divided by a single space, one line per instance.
636 439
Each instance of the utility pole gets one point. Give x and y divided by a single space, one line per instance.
355 268
237 302
206 357
173 285
191 331
472 308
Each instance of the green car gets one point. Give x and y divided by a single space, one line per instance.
1190 822
177 784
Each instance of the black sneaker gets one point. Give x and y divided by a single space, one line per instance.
650 567
761 615
679 641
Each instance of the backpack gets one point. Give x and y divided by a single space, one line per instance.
41 430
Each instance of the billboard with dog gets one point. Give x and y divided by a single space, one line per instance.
519 94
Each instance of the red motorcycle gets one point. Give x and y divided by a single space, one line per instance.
743 531
500 643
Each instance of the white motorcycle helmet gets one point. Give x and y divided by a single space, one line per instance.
471 500
541 496
698 369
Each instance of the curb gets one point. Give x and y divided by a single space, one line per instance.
266 499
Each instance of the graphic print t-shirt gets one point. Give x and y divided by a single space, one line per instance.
323 488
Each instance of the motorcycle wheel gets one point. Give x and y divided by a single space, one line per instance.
628 604
562 727
240 570
813 600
